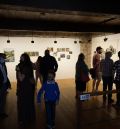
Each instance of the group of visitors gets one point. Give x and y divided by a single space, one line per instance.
103 69
45 70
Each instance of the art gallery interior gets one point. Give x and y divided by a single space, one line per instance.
66 29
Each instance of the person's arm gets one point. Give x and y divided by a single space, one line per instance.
19 75
97 58
56 65
40 93
101 65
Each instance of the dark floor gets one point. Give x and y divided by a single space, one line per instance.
70 114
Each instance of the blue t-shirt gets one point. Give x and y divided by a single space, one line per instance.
50 90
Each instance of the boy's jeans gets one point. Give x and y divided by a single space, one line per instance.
50 113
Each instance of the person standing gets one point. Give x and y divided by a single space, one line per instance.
81 76
25 90
51 96
4 85
96 66
48 63
38 70
106 67
116 68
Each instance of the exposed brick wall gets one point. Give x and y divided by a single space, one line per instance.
86 48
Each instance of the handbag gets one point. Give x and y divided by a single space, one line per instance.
92 72
84 77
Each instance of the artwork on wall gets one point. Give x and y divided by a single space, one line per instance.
60 52
62 55
70 52
68 56
67 49
10 56
112 49
59 49
63 49
32 53
59 59
50 49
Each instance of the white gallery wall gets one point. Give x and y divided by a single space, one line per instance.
113 40
66 68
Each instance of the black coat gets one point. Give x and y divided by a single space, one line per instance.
48 63
2 78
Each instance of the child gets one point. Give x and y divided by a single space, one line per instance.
51 96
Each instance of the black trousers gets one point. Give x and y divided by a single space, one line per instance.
50 113
107 83
3 93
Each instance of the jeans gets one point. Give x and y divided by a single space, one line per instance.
107 82
50 113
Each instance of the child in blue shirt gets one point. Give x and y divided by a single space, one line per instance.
51 96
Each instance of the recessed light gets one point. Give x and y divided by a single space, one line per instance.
55 41
80 41
32 41
75 41
105 39
8 41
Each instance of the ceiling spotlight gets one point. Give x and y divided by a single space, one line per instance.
75 41
32 41
8 41
89 40
55 41
80 41
105 39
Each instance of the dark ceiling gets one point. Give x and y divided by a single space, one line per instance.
60 15
106 6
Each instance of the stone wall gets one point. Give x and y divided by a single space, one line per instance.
86 49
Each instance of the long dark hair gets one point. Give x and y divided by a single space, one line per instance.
27 60
39 59
81 57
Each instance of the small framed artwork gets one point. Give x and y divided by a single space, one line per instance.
68 57
63 49
36 53
59 49
10 56
67 49
50 49
62 55
59 59
70 52
32 53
